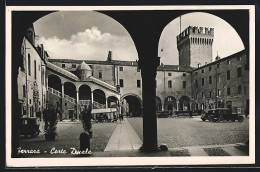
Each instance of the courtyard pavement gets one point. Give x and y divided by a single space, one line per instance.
123 139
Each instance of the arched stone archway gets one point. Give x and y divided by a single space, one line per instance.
112 101
184 103
139 25
170 104
54 82
132 106
84 92
99 98
70 89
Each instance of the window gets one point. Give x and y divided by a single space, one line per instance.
121 68
202 81
228 62
239 89
219 92
218 77
210 94
184 74
24 91
210 79
210 68
138 83
121 82
218 65
202 95
196 83
100 75
63 65
183 84
29 64
228 91
239 72
202 71
169 84
169 74
238 58
228 75
74 66
35 70
169 99
196 73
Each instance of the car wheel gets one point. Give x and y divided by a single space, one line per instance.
233 120
220 119
203 119
240 119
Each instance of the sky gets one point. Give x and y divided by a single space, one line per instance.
89 35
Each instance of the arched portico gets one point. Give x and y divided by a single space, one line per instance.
139 24
132 105
184 103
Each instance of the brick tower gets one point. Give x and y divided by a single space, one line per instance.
195 46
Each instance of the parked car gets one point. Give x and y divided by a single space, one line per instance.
221 114
29 126
163 114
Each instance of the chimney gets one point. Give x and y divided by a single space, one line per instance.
109 57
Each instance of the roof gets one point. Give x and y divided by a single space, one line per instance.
62 71
83 66
102 83
113 62
222 59
175 68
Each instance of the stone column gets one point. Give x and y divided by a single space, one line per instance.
148 72
62 101
77 103
106 103
177 102
92 99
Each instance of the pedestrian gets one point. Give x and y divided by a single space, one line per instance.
45 117
190 114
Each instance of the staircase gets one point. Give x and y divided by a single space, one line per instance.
59 94
72 100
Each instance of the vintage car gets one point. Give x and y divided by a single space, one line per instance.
163 114
221 114
29 126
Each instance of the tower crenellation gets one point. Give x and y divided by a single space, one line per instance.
195 45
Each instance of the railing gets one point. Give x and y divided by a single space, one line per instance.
98 105
70 99
55 92
84 102
59 94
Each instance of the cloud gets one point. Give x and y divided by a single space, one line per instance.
91 44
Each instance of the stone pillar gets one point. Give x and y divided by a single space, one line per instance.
92 99
177 102
106 103
148 72
77 103
62 101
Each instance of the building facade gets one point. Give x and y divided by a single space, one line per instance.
196 83
31 77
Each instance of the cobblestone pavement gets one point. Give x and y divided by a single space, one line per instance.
190 132
184 137
68 137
